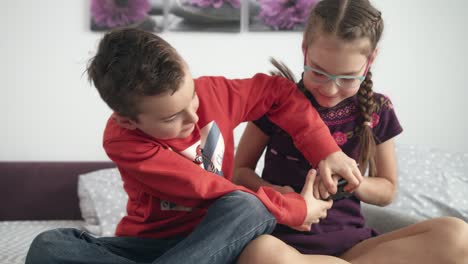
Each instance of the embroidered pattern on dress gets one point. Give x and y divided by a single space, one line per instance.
340 116
341 137
340 122
347 113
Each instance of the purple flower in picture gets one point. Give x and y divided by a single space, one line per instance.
215 3
116 13
285 14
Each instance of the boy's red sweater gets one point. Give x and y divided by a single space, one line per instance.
169 191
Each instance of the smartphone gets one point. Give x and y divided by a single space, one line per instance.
340 193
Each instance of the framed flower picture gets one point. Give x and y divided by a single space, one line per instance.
144 14
279 15
201 15
204 15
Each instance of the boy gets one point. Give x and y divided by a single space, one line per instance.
172 139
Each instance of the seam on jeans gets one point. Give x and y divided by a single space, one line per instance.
81 234
249 232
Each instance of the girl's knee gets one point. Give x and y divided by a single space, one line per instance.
269 243
459 238
451 228
453 233
266 249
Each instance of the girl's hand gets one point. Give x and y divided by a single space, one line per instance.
320 191
342 165
316 209
283 189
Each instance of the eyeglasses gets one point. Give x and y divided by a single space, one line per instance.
343 81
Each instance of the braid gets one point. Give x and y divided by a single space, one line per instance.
347 19
282 70
351 20
366 101
373 26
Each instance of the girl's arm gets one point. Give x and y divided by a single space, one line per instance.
250 148
380 190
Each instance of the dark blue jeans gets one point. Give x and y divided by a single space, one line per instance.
230 224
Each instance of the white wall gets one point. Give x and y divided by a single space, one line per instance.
50 112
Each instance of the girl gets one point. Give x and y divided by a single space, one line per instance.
340 45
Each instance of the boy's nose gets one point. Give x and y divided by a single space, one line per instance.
192 117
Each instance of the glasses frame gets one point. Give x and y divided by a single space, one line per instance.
334 78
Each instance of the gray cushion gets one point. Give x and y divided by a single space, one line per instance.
102 201
385 220
432 182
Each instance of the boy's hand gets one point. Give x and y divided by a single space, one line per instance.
316 209
342 165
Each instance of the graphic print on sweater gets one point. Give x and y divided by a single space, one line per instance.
208 152
213 148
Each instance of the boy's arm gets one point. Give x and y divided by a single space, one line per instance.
284 104
169 176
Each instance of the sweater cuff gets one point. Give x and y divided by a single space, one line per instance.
297 206
288 209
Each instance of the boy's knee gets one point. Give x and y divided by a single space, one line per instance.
45 244
44 239
248 207
244 199
247 201
37 252
55 235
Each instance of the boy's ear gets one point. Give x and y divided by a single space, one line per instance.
124 122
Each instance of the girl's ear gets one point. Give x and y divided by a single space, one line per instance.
124 122
304 48
373 56
304 45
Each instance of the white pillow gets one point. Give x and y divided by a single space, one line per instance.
102 201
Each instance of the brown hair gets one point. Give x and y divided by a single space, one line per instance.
349 20
131 63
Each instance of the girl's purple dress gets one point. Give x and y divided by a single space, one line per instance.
344 226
